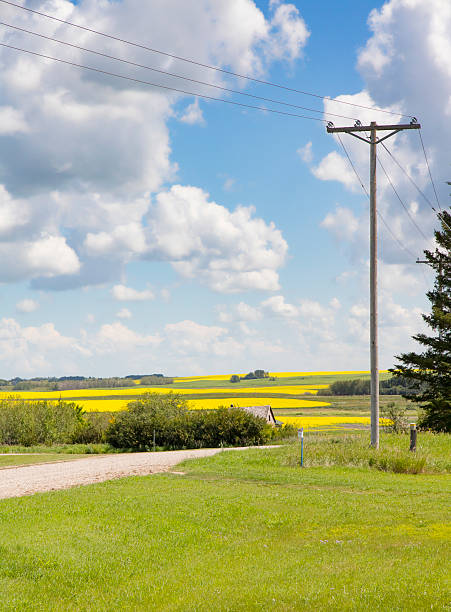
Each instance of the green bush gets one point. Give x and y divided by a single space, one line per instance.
175 427
28 423
396 414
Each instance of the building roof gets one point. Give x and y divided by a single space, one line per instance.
264 412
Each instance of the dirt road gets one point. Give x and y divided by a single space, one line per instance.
29 479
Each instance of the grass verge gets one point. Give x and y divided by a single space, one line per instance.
240 531
28 459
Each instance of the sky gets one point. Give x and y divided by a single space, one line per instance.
144 230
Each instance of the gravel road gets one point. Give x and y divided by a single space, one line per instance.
29 479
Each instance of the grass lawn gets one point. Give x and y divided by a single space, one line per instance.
12 460
239 531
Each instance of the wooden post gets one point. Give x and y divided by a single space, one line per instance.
374 360
413 437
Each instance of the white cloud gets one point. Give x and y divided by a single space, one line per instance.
191 337
305 153
12 121
97 198
342 223
47 256
240 312
408 37
122 293
116 336
289 31
228 251
193 114
335 167
33 350
27 305
229 183
124 313
277 305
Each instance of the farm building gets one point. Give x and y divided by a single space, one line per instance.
264 412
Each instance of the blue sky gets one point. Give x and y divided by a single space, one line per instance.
140 230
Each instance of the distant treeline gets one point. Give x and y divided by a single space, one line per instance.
256 374
82 382
397 385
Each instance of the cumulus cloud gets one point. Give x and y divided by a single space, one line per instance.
124 313
193 114
289 31
408 37
90 205
188 336
122 293
277 305
228 251
12 121
335 167
116 336
32 349
47 256
27 305
342 223
305 153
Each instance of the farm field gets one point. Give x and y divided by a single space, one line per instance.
292 396
245 530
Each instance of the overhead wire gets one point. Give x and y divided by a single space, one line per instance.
408 176
142 82
416 186
172 74
379 214
200 64
400 200
429 169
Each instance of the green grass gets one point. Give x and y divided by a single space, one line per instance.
239 531
65 449
13 460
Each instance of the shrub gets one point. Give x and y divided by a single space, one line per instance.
28 423
396 414
175 427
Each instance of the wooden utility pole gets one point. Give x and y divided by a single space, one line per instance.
373 141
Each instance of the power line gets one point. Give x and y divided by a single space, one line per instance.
429 169
368 196
400 200
189 93
190 61
408 176
178 76
353 167
416 186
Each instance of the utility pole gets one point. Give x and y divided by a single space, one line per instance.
373 141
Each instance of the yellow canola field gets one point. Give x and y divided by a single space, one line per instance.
310 422
114 405
277 374
292 374
278 402
104 405
55 395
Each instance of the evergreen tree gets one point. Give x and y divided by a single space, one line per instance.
430 371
